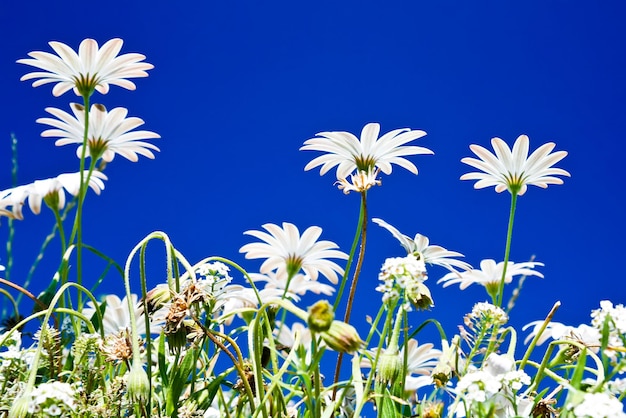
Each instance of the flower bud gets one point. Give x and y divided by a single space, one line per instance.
138 383
342 337
19 409
389 367
321 316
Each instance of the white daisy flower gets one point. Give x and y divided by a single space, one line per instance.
109 133
299 284
585 334
349 153
490 274
116 317
432 254
49 190
288 252
90 69
514 170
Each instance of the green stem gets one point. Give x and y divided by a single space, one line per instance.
357 236
355 277
533 343
507 250
82 191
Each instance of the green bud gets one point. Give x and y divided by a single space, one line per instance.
138 383
389 367
19 409
321 316
342 337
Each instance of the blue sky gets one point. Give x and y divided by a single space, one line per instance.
239 86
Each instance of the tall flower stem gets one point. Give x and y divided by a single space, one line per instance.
355 277
507 250
77 231
357 236
359 262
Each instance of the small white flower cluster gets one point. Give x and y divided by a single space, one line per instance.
485 312
216 275
52 399
599 405
403 276
617 322
493 386
361 181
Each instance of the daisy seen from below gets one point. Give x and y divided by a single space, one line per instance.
420 245
299 284
514 170
490 274
366 155
288 252
51 191
90 69
109 133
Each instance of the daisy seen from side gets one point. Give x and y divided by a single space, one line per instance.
432 254
51 191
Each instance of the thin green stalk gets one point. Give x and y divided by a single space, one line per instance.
59 222
507 250
355 242
9 245
355 277
533 343
44 245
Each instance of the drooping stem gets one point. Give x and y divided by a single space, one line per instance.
507 250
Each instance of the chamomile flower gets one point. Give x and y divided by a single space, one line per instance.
514 170
110 133
420 245
90 69
288 252
349 153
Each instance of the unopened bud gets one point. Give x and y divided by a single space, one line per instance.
138 383
321 316
389 367
19 409
342 337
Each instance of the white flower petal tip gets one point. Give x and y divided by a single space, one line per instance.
432 254
287 252
514 170
110 133
367 154
90 69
